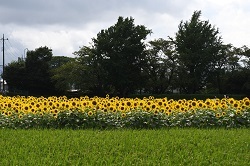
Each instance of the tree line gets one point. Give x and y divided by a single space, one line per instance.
120 62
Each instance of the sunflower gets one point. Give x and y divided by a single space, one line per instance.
167 113
200 104
54 112
5 113
45 109
9 105
180 101
112 108
122 108
108 104
20 116
231 101
84 103
94 103
184 109
123 115
238 112
9 113
177 106
17 104
170 101
45 103
217 115
148 108
38 105
72 104
217 101
128 103
208 102
32 109
224 106
16 110
153 106
141 103
90 113
247 103
149 103
67 105
160 103
156 112
243 106
26 108
236 105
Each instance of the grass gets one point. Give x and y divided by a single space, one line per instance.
125 147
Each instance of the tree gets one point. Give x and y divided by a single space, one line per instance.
160 70
33 74
237 71
15 75
229 72
197 43
58 61
38 72
245 51
66 75
237 82
92 76
217 76
118 56
62 72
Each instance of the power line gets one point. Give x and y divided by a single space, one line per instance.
3 60
18 48
12 50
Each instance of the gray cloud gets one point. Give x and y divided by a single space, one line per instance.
65 25
75 12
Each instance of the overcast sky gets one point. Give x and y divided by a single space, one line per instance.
66 25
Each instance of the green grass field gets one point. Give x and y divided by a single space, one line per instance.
125 147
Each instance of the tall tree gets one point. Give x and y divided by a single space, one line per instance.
197 43
119 54
38 71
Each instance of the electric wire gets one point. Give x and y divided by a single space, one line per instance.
12 51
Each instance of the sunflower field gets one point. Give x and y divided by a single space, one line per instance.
114 112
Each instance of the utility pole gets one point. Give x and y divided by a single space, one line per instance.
3 61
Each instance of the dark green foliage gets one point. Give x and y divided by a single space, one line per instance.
203 96
37 70
58 61
161 66
117 56
197 44
237 82
15 75
32 74
65 74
